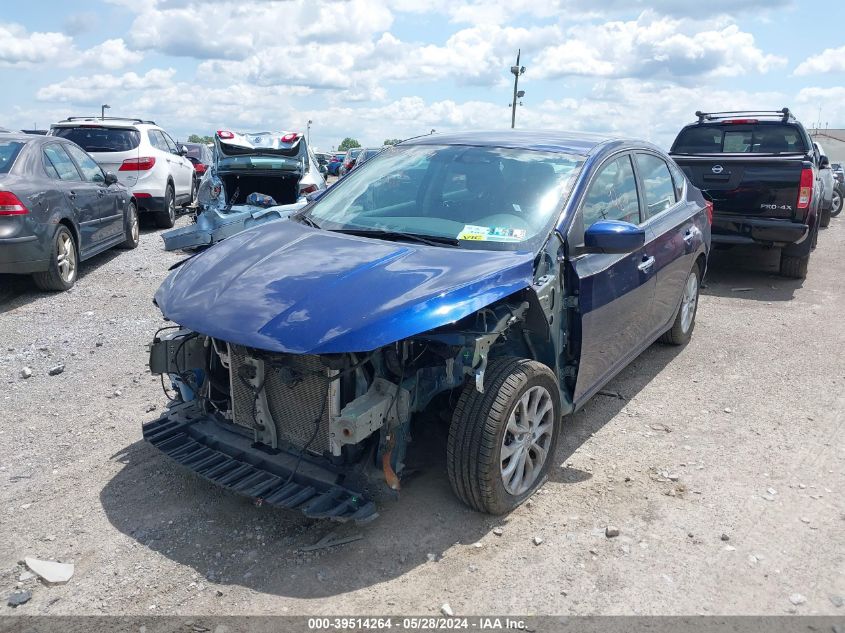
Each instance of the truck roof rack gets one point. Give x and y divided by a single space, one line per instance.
784 115
106 118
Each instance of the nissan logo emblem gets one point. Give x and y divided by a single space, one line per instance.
717 169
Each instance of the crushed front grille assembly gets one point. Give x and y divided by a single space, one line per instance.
230 461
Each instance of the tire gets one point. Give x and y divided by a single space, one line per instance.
838 194
794 267
481 426
167 218
132 230
681 330
194 187
64 263
824 220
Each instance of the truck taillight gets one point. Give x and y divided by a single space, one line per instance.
708 206
10 204
138 164
200 168
805 191
304 191
225 134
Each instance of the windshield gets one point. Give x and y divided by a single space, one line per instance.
740 139
501 197
9 150
101 139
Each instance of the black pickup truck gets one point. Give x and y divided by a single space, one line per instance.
761 173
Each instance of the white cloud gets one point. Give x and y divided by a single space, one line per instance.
655 47
831 60
19 47
92 89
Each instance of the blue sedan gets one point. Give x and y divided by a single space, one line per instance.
505 276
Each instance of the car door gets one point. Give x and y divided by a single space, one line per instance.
183 169
107 218
674 235
614 291
81 195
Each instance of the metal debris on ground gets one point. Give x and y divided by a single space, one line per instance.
18 598
612 394
331 540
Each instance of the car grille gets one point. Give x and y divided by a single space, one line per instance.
296 394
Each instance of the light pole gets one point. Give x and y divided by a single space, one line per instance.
103 109
308 132
517 94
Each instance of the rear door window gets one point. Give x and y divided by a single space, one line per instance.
157 140
90 170
613 194
658 188
9 151
56 157
740 139
171 146
101 139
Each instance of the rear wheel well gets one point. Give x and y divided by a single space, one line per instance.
70 226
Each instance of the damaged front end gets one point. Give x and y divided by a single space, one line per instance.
256 178
324 433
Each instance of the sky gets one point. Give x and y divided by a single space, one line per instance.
379 69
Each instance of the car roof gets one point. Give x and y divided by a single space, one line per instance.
105 122
29 138
539 140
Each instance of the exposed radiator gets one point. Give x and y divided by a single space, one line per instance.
295 395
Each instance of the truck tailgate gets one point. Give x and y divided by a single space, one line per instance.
765 186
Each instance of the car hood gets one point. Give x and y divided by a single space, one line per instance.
286 287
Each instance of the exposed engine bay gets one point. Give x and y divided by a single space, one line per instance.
323 433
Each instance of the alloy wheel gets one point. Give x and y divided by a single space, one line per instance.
66 258
837 203
528 436
688 303
134 229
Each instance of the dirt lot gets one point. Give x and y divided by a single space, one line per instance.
739 434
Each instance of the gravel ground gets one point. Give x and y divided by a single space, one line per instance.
722 464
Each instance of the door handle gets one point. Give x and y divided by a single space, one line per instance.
72 195
646 264
689 236
101 192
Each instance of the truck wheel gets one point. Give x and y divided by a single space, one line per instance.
133 233
794 267
836 207
681 330
824 220
61 275
167 218
502 442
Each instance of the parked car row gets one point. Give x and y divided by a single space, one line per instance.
504 276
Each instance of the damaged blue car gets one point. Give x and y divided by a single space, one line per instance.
502 277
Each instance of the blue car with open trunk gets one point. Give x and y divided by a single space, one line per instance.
500 277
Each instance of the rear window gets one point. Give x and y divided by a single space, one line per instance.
740 139
9 151
101 139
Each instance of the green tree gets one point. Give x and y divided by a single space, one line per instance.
196 138
347 143
392 141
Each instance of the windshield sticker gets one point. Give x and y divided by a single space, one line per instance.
492 233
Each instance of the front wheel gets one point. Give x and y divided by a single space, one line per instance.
682 328
133 233
836 208
502 442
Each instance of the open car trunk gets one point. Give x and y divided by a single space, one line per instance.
283 188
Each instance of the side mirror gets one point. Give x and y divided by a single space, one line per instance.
824 162
110 178
613 237
315 195
183 151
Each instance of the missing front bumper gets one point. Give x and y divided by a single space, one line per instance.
232 461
